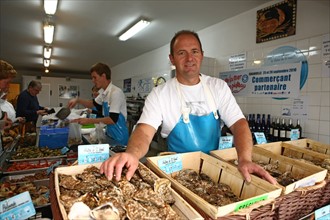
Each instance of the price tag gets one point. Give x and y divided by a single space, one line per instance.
249 202
17 207
170 164
322 213
226 142
260 137
92 153
64 150
53 166
294 134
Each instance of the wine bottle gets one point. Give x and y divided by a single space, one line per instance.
276 130
258 123
288 130
298 126
267 128
282 131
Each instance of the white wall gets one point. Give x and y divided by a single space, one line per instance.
238 34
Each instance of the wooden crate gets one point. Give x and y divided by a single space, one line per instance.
306 173
220 172
183 208
312 145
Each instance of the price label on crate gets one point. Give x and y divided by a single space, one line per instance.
17 207
170 164
64 150
248 202
322 213
93 153
260 137
225 142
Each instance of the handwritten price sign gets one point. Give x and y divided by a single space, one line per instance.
170 164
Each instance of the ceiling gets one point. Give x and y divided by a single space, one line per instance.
87 32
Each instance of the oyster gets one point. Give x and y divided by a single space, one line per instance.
162 188
134 199
217 194
106 211
68 181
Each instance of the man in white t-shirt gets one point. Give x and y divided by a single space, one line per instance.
189 108
111 102
7 73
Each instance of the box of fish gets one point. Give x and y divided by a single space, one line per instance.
289 173
302 154
212 185
82 192
311 145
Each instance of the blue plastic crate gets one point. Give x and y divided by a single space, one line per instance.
53 138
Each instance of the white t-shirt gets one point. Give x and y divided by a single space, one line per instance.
115 98
7 107
163 104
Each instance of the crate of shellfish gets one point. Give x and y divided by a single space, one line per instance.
298 153
289 173
311 145
83 193
215 187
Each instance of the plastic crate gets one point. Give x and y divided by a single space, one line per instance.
53 137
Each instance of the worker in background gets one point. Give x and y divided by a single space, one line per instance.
28 104
7 107
111 102
188 107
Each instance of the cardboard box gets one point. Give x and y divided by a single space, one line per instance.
220 172
180 206
307 174
312 145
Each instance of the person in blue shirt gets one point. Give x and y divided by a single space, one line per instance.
28 104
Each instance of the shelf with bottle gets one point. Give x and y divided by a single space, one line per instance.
274 128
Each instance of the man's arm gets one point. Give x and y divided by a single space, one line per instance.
242 140
137 147
243 143
85 102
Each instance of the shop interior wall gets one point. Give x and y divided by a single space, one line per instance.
238 34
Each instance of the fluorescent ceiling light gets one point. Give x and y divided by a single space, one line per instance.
50 6
48 33
47 52
134 30
46 62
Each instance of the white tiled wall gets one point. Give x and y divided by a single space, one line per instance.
236 35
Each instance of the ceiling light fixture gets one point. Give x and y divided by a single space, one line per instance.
50 6
47 52
46 62
48 33
134 30
46 70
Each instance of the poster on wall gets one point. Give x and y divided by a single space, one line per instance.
127 85
237 61
68 91
276 21
144 85
326 56
270 81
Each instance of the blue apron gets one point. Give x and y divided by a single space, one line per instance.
117 131
195 133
